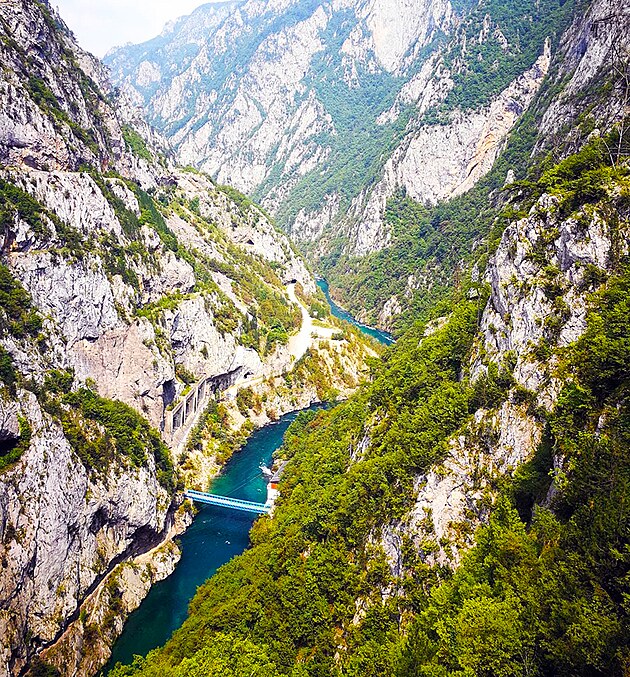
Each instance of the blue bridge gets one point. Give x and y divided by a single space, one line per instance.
226 502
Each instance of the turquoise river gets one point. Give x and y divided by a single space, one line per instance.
215 536
338 311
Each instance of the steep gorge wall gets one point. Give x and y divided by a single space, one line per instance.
122 275
350 75
541 282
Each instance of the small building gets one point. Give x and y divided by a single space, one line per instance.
272 487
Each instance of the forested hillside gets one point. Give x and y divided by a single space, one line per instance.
386 166
466 512
432 246
367 567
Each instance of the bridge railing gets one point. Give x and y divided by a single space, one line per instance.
227 502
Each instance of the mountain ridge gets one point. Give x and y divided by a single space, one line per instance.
370 96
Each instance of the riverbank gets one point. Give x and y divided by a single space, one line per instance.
339 312
327 363
215 536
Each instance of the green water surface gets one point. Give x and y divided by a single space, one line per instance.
338 311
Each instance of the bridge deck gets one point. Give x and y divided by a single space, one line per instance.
226 502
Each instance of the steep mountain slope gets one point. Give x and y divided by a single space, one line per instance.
246 97
431 246
466 513
325 110
131 292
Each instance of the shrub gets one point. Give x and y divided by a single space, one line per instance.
101 430
136 143
17 315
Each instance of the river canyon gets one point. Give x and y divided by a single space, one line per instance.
385 242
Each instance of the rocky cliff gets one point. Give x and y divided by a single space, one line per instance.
242 103
325 111
126 282
573 90
512 391
541 280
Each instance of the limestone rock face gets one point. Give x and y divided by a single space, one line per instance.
61 528
257 102
527 290
442 161
138 280
309 226
9 422
395 28
450 500
79 298
248 103
292 104
122 590
27 134
540 288
594 45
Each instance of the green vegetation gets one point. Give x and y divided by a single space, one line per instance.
550 596
128 220
184 375
246 399
47 101
544 590
245 206
8 373
228 656
584 178
310 371
136 143
213 434
102 431
438 245
40 668
17 315
10 453
259 287
15 202
150 215
299 581
514 34
153 311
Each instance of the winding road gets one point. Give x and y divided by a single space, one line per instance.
299 343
